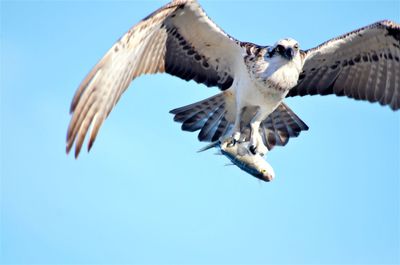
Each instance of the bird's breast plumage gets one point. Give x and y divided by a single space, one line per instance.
272 77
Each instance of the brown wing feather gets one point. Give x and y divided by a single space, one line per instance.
363 64
168 41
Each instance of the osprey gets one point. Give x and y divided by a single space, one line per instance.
180 39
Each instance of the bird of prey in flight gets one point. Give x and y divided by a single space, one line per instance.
181 40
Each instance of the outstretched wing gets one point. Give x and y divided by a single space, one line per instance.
178 39
363 64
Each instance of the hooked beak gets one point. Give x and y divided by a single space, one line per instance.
289 54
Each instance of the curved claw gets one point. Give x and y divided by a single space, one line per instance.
232 142
253 149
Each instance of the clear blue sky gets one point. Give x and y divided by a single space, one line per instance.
143 195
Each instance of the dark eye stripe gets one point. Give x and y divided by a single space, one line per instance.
280 48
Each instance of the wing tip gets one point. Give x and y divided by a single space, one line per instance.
174 111
388 23
90 144
69 148
78 147
77 151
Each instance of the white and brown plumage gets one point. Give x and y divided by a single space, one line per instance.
181 40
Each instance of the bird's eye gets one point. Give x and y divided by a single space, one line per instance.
296 46
280 48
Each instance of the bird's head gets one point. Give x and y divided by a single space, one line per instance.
285 48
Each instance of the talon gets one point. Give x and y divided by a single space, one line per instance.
232 142
236 136
253 149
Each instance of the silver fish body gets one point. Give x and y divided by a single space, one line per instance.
254 164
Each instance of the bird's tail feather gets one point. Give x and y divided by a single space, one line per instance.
207 115
214 118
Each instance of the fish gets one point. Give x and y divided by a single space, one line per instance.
238 152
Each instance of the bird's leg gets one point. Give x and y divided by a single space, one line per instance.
259 146
236 128
256 143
